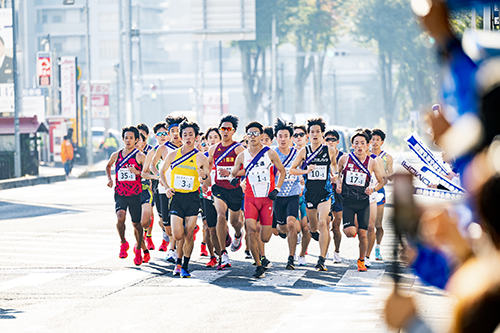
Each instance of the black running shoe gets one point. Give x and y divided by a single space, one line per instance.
265 263
282 235
320 266
248 255
259 272
315 236
290 264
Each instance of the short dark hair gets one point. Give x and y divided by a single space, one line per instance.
213 129
143 127
160 125
367 131
171 120
269 131
333 133
360 133
255 124
186 124
65 137
282 125
300 127
142 137
316 121
132 129
231 119
379 132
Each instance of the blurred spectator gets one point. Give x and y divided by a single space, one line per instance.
110 144
67 155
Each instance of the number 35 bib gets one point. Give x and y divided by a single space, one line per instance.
124 175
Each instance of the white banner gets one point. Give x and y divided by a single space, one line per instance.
68 87
6 63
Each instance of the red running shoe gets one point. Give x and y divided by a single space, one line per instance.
123 250
204 252
149 243
147 257
138 256
229 240
164 246
212 262
196 229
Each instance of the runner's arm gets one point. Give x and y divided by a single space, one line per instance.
112 160
300 157
156 158
378 174
146 172
390 169
278 165
164 168
237 165
341 166
333 162
203 165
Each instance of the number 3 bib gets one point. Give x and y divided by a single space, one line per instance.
183 182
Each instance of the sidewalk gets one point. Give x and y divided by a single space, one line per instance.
49 174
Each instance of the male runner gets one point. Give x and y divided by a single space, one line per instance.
286 205
332 140
267 136
225 195
356 169
378 139
319 166
161 154
187 166
128 165
300 139
261 189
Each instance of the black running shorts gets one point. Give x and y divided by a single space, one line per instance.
185 204
286 206
165 209
210 213
232 197
314 198
361 208
133 203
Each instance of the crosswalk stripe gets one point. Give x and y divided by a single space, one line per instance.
118 278
198 278
353 278
34 279
279 279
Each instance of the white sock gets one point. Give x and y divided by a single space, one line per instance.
165 236
377 246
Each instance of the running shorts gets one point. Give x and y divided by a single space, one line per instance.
133 203
259 209
361 208
185 204
284 207
232 197
210 212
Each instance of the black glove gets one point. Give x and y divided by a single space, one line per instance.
273 195
234 181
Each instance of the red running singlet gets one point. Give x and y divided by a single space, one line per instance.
227 163
127 183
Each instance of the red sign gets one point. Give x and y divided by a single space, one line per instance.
44 69
100 99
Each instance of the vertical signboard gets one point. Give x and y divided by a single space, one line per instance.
211 107
6 63
43 69
100 99
68 87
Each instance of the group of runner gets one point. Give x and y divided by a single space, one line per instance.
300 190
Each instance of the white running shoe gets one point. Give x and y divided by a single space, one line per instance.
337 259
302 261
299 238
368 263
171 256
225 260
236 243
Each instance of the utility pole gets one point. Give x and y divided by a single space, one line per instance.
274 72
90 148
487 18
220 75
127 59
17 135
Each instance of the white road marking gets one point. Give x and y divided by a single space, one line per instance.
283 278
198 278
353 278
118 278
34 279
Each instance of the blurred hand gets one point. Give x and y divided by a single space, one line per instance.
399 310
436 22
110 183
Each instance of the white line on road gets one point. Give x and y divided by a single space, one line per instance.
118 278
353 278
279 279
34 279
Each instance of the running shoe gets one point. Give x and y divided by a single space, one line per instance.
228 239
138 256
282 235
171 256
368 263
320 265
290 264
147 257
337 259
177 270
299 238
248 255
361 266
225 260
378 256
266 263
236 243
204 252
315 236
302 261
259 272
196 229
185 274
212 262
164 246
149 243
123 250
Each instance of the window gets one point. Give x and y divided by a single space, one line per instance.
108 21
109 49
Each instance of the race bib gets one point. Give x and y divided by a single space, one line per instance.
124 175
319 173
183 182
256 177
355 178
228 168
289 177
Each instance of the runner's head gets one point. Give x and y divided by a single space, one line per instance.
141 143
300 136
378 138
283 131
130 136
332 138
360 142
213 136
144 129
173 127
369 136
228 125
254 132
316 127
267 136
201 143
161 132
189 132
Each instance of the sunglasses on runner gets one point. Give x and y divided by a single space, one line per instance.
296 135
254 134
203 144
226 129
331 139
162 134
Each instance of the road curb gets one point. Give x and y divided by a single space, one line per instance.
23 182
90 174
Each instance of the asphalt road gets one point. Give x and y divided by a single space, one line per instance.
60 272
